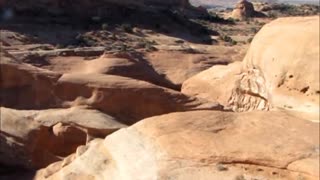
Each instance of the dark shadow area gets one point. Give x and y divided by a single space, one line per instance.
15 173
13 170
62 26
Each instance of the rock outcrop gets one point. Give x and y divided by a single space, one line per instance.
67 99
46 115
201 145
23 85
291 74
270 76
177 67
127 99
26 87
214 84
34 139
244 10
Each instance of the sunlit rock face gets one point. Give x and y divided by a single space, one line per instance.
200 144
280 70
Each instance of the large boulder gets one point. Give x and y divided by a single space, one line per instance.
214 84
34 139
271 75
200 145
291 72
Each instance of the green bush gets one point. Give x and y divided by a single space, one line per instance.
254 30
127 28
228 39
104 26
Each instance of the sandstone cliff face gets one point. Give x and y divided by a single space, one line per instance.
280 70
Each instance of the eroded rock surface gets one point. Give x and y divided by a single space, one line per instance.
23 85
270 76
244 9
291 74
127 99
33 139
26 87
202 144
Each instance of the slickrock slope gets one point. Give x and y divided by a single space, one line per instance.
177 67
280 70
126 65
127 99
23 85
26 87
214 84
200 145
75 74
34 139
36 131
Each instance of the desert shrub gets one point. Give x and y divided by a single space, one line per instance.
240 177
123 48
254 30
284 8
149 47
127 28
157 26
221 167
273 15
250 40
84 40
232 20
104 26
228 39
214 17
296 10
59 46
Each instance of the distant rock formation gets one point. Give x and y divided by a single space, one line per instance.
244 9
87 7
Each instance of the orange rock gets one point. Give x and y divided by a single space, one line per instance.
267 145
